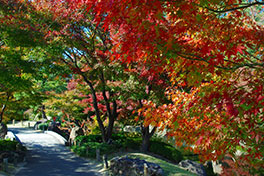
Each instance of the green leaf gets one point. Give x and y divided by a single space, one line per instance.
198 17
246 107
179 13
176 124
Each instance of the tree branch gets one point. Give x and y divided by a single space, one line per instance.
104 95
152 131
240 6
236 65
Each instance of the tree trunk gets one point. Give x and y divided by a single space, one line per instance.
106 133
146 135
112 115
145 143
4 108
97 112
43 112
111 121
109 131
3 130
2 113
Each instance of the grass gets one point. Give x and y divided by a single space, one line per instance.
162 153
168 168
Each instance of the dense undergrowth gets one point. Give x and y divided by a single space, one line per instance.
125 142
8 145
86 146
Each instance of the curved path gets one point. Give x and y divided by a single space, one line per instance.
47 157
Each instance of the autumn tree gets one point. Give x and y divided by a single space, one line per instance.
212 51
212 48
84 50
143 85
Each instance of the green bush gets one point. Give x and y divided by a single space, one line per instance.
132 143
126 135
80 140
123 141
119 136
187 154
7 145
87 145
43 126
165 150
88 149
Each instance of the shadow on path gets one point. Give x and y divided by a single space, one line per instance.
47 157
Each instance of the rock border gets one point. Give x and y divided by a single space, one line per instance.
125 166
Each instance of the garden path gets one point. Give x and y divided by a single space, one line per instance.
47 157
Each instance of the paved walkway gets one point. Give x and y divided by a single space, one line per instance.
47 157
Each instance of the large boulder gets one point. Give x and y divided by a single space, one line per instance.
3 130
193 167
124 166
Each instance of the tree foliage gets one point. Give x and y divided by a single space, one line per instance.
213 48
211 51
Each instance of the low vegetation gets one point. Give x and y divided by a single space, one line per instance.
86 146
8 145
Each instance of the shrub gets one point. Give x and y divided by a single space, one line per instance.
87 145
43 126
125 140
80 140
165 150
88 149
124 135
119 136
133 134
132 143
7 145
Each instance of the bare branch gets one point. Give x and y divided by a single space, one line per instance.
240 6
234 67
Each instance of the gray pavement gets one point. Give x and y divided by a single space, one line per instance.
47 157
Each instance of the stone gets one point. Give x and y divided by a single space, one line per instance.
126 166
3 155
105 162
193 167
3 130
98 154
13 157
225 163
10 136
76 131
5 164
132 129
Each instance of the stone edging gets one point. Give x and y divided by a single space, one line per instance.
18 166
11 135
